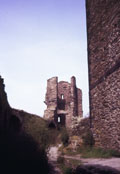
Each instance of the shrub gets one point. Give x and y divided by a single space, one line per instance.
64 137
64 167
114 153
88 139
68 170
60 160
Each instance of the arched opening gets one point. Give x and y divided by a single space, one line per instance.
51 125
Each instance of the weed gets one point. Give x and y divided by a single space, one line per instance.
88 139
60 160
64 137
94 152
68 170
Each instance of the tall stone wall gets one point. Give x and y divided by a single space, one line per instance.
64 89
64 98
51 98
5 110
74 97
103 30
10 122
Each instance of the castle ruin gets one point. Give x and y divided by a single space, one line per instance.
64 102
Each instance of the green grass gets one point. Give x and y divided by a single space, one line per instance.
73 163
67 165
37 127
90 152
64 136
93 152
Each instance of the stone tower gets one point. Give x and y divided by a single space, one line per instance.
64 102
103 27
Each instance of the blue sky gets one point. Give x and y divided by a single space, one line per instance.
40 39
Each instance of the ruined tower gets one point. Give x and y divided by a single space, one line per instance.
64 102
103 27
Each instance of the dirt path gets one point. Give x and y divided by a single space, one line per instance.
110 162
52 156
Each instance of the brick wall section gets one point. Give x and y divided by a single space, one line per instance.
103 29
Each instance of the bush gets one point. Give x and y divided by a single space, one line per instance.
68 171
62 163
88 139
64 137
37 128
60 160
114 153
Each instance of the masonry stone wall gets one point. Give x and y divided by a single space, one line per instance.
64 101
64 89
103 30
51 98
5 110
9 120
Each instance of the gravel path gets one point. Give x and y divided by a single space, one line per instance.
52 156
53 153
110 162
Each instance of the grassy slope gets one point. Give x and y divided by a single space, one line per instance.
35 126
38 128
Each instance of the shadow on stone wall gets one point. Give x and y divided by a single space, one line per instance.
20 154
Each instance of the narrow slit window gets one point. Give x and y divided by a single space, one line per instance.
58 119
62 96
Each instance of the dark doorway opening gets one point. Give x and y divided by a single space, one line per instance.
52 125
61 103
